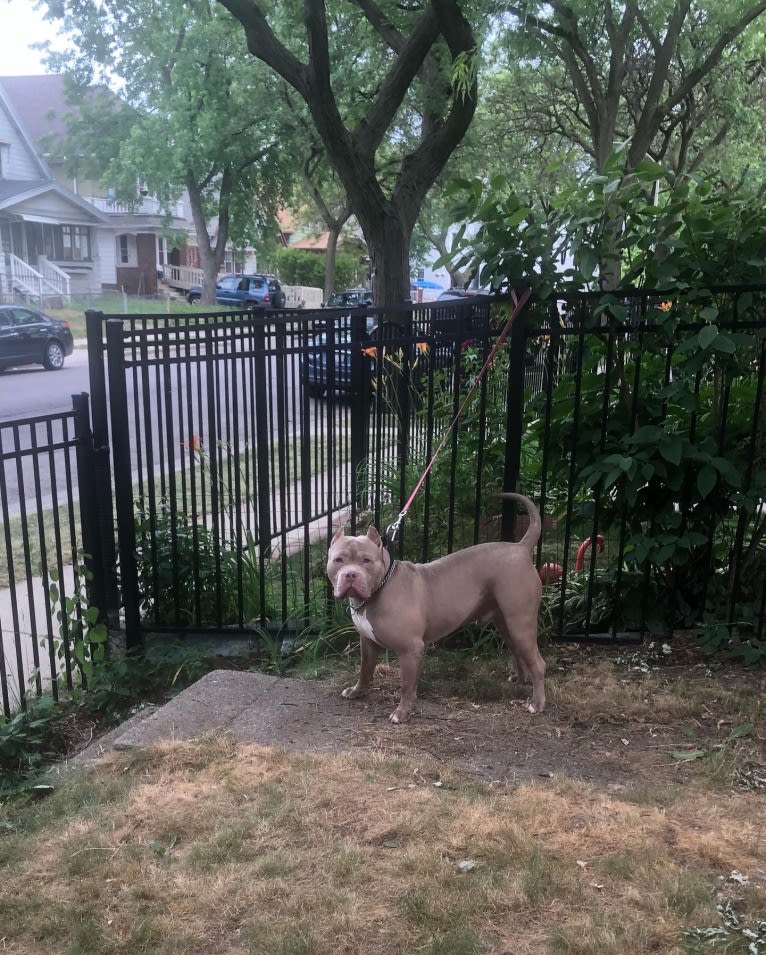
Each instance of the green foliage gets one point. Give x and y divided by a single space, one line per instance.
674 459
82 636
187 574
638 225
296 267
161 668
671 459
735 933
25 741
195 113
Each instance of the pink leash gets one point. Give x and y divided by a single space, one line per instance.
518 305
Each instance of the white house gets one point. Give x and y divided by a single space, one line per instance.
60 236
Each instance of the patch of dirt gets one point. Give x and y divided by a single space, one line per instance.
616 717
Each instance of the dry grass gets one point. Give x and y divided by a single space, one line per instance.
211 847
625 842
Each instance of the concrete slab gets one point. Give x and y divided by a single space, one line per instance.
255 708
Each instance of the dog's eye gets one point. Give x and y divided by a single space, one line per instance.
338 560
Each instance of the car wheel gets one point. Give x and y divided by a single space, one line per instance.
194 298
279 300
53 359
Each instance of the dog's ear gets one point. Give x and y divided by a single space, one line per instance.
341 532
374 536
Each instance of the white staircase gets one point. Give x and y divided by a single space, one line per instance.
21 278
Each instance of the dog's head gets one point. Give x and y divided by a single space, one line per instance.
356 565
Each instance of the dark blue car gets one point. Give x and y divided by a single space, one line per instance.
325 367
243 291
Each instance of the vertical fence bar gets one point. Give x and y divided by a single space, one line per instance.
92 555
262 454
515 419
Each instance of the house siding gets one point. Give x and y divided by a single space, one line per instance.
17 162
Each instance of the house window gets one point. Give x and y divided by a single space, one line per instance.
124 251
5 151
72 243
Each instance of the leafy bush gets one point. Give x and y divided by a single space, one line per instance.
188 576
25 741
297 267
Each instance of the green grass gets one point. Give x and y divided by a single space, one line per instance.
116 304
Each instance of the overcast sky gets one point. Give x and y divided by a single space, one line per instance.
20 25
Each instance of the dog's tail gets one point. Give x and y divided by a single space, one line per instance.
532 533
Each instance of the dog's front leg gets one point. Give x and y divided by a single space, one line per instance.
409 670
362 686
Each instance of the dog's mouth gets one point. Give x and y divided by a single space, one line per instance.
352 583
351 588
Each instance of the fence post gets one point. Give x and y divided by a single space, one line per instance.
123 482
96 584
514 419
101 473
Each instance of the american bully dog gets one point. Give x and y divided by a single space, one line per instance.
402 606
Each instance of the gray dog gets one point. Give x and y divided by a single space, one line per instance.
402 606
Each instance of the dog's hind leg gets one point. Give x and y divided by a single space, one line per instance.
522 642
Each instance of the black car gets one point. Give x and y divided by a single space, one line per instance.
243 291
27 337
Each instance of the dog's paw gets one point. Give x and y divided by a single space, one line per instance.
533 707
354 692
400 716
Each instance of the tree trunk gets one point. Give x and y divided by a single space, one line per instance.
387 223
210 255
329 262
388 241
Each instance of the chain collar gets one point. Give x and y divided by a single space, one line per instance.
362 604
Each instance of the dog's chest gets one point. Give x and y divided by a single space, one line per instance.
363 625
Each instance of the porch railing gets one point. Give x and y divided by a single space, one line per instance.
183 276
149 206
56 278
24 278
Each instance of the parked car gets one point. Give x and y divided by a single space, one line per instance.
338 306
243 291
452 293
350 298
27 337
317 369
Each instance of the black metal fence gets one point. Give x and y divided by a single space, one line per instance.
239 444
48 539
236 444
644 436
